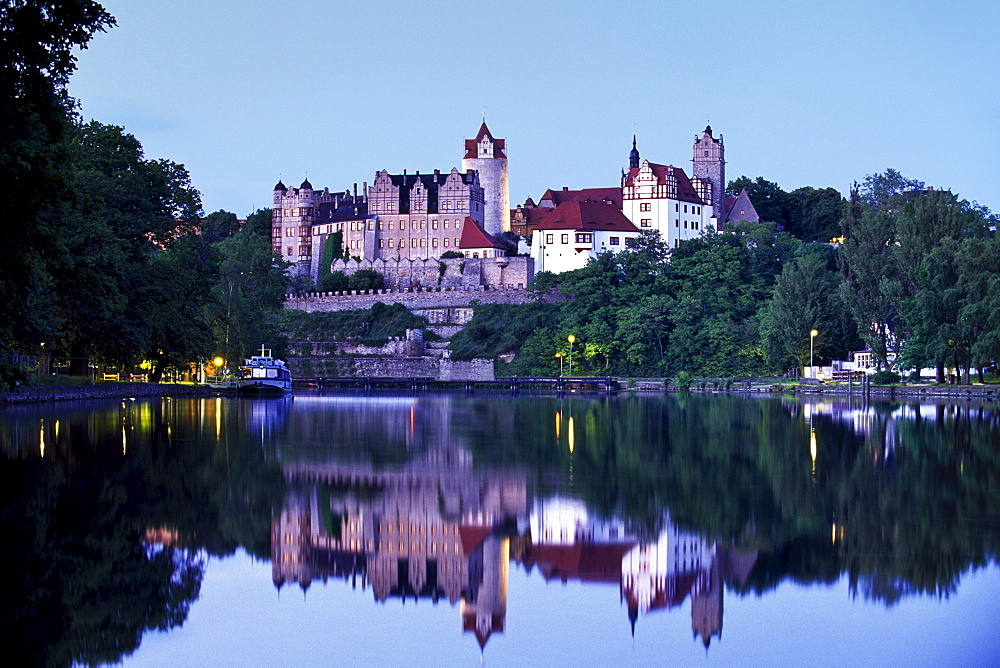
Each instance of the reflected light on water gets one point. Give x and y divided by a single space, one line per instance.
570 435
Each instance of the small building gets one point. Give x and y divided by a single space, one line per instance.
475 242
738 209
568 236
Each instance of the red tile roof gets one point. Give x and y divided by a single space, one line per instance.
592 216
587 562
685 189
474 236
472 145
603 195
472 536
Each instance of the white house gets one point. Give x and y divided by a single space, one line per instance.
572 233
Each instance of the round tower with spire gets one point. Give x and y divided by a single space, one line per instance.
709 164
488 156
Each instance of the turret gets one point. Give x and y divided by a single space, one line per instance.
633 156
488 156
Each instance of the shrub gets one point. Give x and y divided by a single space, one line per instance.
683 380
365 279
334 281
884 378
449 254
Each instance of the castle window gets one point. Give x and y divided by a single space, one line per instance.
685 208
583 238
380 243
677 223
434 224
423 224
446 241
290 249
402 224
564 238
706 154
613 241
390 243
391 224
548 238
434 242
371 225
645 206
446 224
381 225
413 243
456 242
646 222
423 242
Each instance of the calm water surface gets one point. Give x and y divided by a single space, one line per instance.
437 529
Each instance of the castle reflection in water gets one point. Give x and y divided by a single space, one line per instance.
438 528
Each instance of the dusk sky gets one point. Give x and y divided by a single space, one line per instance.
805 93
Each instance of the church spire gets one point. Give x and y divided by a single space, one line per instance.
633 156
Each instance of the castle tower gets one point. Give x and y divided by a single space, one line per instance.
488 156
709 164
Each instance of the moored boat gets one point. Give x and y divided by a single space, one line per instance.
264 373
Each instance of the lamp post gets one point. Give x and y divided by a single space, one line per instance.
560 356
571 338
812 337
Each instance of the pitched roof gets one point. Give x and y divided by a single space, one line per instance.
337 212
472 145
604 195
474 236
593 216
738 208
685 189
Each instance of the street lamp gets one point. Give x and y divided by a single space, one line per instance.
571 339
560 356
812 337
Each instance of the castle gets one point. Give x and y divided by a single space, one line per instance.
423 216
401 216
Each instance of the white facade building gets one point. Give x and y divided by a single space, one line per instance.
567 237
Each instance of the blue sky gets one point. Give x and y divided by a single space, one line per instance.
805 93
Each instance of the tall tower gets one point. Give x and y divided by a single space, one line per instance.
488 156
709 163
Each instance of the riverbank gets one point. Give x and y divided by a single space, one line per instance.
956 392
103 391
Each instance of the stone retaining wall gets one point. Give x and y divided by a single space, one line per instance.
414 299
389 367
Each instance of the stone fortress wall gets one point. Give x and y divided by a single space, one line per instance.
454 273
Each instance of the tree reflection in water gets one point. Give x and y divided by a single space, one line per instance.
109 512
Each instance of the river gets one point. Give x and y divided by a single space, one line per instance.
437 529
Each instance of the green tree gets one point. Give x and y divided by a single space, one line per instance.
259 222
37 44
814 214
249 293
806 297
888 191
365 279
868 270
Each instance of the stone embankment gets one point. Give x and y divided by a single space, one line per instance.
946 392
415 298
102 391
